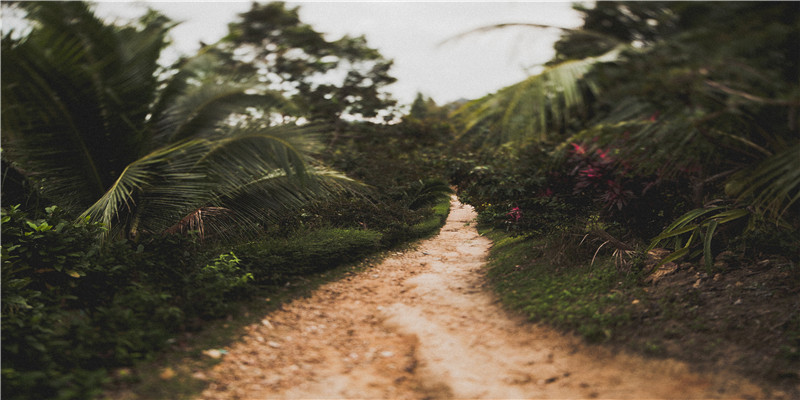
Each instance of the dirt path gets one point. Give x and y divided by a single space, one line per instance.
420 325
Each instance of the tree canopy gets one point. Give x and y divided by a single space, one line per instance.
325 78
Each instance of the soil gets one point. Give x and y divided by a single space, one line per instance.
745 318
422 325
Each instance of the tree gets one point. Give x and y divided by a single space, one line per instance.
327 79
89 117
419 108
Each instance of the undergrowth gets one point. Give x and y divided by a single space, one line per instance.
185 355
74 310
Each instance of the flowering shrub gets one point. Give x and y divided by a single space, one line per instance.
513 218
514 215
597 174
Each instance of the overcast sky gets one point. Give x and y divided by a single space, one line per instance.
410 33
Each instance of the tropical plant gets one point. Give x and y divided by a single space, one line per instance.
90 116
530 110
703 95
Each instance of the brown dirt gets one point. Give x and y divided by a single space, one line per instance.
421 325
742 319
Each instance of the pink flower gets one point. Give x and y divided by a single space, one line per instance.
578 148
590 172
515 214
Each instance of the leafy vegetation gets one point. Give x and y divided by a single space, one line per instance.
173 193
154 198
88 119
684 119
647 175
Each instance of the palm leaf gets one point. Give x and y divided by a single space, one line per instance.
773 186
200 110
253 176
165 181
75 98
527 110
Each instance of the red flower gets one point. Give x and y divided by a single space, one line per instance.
578 148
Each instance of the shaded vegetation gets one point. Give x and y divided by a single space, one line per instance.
648 175
642 189
153 199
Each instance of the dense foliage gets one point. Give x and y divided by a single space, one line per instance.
673 122
133 179
72 308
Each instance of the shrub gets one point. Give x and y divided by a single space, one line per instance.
73 308
274 260
213 286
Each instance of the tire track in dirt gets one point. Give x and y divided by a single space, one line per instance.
420 325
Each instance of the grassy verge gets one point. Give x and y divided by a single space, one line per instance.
592 301
431 226
743 316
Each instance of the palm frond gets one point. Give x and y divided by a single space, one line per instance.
264 201
75 98
506 25
253 176
772 186
200 111
38 97
529 109
159 189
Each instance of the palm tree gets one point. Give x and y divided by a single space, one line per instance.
88 114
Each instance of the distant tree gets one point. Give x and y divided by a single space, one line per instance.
419 108
326 79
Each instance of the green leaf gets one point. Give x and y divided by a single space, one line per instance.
707 256
674 256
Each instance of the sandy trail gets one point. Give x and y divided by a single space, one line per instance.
419 326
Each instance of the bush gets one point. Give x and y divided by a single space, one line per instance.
215 285
73 308
275 260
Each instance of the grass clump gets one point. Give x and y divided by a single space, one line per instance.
588 300
432 224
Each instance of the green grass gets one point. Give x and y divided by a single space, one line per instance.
431 226
274 260
592 301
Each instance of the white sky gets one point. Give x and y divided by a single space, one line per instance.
410 33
